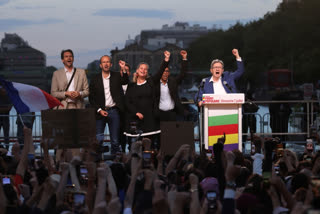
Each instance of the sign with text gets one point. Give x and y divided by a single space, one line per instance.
223 98
68 128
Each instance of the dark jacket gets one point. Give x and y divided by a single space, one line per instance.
173 83
228 81
96 88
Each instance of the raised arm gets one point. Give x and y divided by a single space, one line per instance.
184 66
240 67
23 163
124 78
163 66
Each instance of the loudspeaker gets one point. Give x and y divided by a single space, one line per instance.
175 134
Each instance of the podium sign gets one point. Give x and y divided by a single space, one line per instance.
68 128
223 115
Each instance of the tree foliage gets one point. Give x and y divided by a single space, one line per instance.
287 38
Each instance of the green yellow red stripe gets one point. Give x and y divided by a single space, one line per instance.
223 120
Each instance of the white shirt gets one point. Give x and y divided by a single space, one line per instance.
257 163
71 87
166 103
107 93
218 87
124 88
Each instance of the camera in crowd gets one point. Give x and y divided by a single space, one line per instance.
147 159
212 200
83 175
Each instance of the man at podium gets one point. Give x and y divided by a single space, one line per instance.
221 82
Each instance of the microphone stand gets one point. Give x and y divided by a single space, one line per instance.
200 121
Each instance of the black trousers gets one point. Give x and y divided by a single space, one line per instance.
170 115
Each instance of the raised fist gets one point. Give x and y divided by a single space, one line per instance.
184 54
235 52
122 64
166 55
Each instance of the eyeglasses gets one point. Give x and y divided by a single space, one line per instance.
217 67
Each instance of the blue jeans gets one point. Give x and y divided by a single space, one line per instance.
113 120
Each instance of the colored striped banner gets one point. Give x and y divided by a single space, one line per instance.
219 130
230 139
223 124
223 120
227 147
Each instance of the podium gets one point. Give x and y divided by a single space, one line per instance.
222 114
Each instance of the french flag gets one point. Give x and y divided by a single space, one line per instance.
28 98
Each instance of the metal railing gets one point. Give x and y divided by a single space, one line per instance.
300 122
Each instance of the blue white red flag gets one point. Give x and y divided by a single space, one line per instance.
28 98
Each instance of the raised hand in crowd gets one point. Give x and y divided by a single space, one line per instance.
166 56
114 206
159 200
280 187
135 169
195 203
184 54
183 151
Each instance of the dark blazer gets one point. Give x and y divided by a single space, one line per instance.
227 78
173 83
96 96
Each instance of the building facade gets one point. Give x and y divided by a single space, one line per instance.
19 62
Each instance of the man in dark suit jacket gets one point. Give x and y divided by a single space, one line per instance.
221 82
106 96
167 88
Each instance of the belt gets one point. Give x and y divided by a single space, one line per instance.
171 110
110 108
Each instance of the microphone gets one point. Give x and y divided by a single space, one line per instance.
202 83
228 86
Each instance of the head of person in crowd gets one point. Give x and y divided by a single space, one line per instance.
292 157
67 58
141 71
216 69
239 160
309 148
242 179
105 63
299 180
210 184
305 164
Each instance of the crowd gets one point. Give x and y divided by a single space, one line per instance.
271 180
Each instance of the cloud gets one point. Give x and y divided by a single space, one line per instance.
32 8
6 24
137 13
3 2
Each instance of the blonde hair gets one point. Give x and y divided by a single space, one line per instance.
135 75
